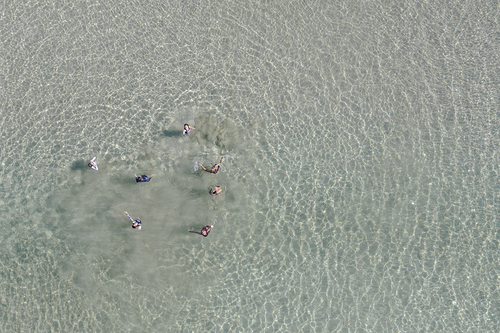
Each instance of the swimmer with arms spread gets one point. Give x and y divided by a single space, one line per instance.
215 168
204 231
143 178
136 224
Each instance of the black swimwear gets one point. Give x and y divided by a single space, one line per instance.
142 179
138 225
207 228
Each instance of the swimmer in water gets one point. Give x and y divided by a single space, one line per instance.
187 129
204 231
215 190
136 224
143 178
215 168
93 164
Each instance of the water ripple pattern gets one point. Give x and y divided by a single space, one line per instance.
360 181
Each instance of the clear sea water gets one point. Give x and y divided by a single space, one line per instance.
361 178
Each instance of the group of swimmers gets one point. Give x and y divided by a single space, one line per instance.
137 224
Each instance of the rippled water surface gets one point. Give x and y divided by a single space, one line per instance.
360 181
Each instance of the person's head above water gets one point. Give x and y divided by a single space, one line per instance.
137 224
206 230
93 164
187 129
215 167
215 190
143 178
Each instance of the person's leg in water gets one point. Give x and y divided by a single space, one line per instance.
136 224
204 231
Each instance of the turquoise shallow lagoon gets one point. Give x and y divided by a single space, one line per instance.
360 185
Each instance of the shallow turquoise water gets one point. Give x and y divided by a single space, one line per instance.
360 182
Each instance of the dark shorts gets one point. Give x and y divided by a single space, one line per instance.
143 178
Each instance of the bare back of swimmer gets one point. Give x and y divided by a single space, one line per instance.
204 231
215 168
215 190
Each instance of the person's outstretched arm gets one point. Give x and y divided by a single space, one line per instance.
202 166
195 232
218 164
131 219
